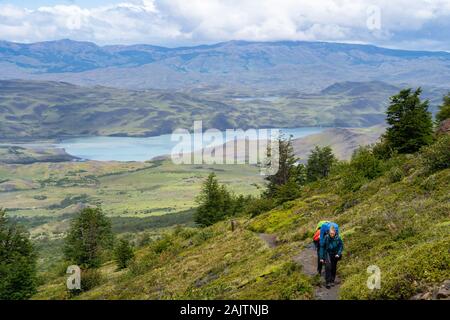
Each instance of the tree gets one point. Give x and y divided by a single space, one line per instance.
89 236
319 163
444 109
410 122
123 253
288 170
214 202
17 262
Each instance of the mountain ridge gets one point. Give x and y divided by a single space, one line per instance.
280 64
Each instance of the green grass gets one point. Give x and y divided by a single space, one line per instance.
125 190
214 263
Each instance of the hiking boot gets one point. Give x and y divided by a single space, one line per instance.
328 286
332 284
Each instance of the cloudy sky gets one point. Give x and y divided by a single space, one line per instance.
418 24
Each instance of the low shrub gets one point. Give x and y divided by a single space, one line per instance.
161 245
90 278
437 156
366 163
403 273
395 174
202 236
258 206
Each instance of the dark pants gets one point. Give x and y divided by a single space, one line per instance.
330 268
319 264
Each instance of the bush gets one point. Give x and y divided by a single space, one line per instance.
395 174
184 233
287 192
350 179
437 156
138 267
299 288
365 163
258 206
123 254
382 150
202 236
144 240
90 278
163 244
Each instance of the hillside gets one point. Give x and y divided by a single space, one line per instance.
343 141
398 222
33 110
297 65
27 154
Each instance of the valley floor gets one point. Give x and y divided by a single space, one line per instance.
137 196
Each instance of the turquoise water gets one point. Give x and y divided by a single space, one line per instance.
142 149
268 99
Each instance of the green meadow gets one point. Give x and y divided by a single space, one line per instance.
45 195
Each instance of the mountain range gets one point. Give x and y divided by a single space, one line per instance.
298 65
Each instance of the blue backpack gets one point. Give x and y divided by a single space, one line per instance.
325 228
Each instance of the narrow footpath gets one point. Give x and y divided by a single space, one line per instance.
307 258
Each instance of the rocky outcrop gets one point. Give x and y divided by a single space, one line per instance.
441 292
444 127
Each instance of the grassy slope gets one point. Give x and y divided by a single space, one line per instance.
402 227
41 110
213 263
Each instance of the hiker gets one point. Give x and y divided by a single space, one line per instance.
331 247
321 230
316 241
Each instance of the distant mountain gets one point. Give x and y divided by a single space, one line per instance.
353 88
298 65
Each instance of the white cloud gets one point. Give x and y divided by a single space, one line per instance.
176 22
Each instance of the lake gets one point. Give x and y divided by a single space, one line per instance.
141 149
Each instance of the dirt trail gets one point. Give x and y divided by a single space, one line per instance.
308 260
